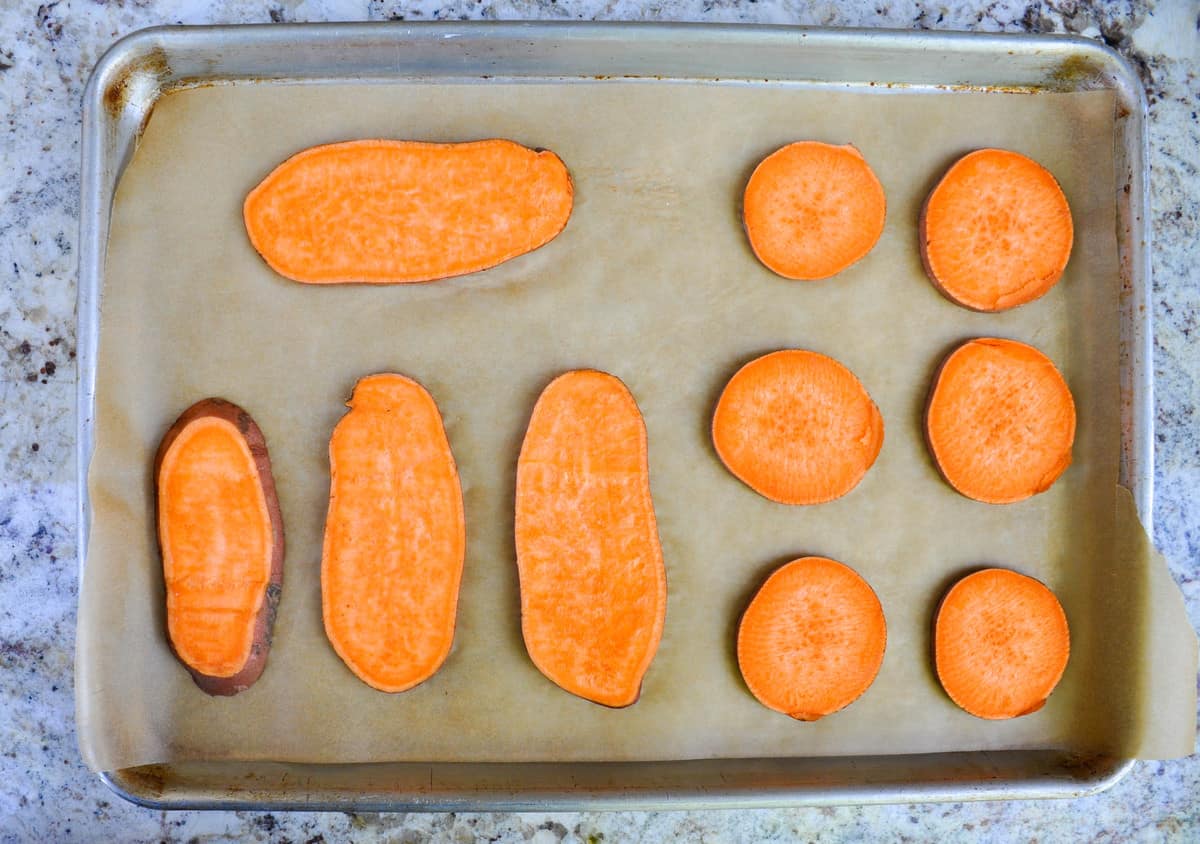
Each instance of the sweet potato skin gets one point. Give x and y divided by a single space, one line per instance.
265 621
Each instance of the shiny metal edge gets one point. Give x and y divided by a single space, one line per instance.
141 67
736 783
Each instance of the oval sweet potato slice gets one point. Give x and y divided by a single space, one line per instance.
797 427
379 211
395 536
812 640
996 232
1001 643
220 533
1000 421
813 209
593 586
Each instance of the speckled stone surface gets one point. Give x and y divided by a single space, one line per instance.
46 53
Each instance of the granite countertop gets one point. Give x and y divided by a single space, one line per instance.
47 50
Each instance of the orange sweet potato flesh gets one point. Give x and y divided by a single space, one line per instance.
1001 643
813 209
395 536
812 640
593 585
380 211
797 427
220 533
1000 422
996 232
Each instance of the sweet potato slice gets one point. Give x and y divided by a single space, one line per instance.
395 536
220 533
1000 422
1001 643
593 586
379 211
996 232
797 427
812 639
813 209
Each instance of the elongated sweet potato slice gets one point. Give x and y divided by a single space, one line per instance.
996 232
1000 422
395 537
812 639
813 209
593 586
1001 643
797 427
379 211
220 533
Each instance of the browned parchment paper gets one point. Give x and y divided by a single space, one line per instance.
652 281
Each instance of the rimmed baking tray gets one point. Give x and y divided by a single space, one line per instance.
139 70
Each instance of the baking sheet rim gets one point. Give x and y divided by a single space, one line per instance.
95 209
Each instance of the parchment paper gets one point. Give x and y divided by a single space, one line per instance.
652 280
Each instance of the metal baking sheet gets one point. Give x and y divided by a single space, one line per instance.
140 69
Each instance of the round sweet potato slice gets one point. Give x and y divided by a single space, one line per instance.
1000 422
797 427
1001 643
813 209
996 232
812 640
